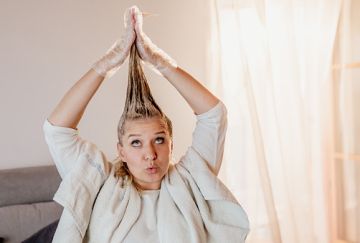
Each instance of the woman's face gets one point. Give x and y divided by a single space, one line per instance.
146 148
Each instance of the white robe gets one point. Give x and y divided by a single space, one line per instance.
193 204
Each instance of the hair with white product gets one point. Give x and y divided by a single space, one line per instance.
139 104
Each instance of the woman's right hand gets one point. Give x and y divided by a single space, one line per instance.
71 108
116 55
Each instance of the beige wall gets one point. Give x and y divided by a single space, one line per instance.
46 46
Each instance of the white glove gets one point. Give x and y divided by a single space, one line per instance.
148 51
116 55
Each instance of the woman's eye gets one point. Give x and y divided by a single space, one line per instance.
135 143
159 140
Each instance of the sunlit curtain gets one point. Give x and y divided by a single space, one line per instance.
271 63
346 169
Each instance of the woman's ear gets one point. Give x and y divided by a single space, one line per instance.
121 152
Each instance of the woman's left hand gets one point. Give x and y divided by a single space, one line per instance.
148 51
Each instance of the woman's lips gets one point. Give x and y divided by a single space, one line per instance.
152 170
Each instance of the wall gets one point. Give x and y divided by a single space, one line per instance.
47 46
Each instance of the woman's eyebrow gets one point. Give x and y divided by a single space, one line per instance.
160 132
133 135
137 135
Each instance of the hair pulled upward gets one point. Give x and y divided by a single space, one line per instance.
139 104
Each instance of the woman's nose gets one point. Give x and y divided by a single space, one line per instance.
150 153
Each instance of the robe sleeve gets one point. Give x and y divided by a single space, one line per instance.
83 169
209 136
203 158
66 146
223 216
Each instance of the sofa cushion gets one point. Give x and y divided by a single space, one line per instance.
18 222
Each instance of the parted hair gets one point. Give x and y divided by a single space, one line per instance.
139 104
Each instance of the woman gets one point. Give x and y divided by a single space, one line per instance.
143 197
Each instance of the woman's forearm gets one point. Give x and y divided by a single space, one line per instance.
196 95
72 106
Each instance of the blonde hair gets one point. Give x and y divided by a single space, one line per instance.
139 104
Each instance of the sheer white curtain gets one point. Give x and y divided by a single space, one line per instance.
271 63
346 169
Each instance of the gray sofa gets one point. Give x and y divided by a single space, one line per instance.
26 203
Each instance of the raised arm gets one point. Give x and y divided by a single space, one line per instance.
72 106
197 96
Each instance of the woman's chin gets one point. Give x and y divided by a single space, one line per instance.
150 181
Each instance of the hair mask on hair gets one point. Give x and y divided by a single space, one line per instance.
139 104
